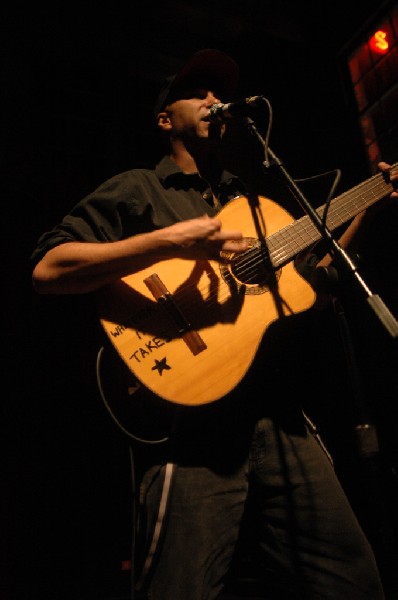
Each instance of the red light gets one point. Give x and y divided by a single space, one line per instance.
379 43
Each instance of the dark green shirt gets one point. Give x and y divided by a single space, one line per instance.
138 201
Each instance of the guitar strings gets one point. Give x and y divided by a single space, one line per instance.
285 244
338 214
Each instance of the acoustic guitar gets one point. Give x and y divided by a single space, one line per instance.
189 330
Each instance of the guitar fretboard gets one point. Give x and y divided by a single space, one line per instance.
299 235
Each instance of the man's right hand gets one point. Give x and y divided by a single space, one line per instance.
203 238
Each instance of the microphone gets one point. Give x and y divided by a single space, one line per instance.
242 108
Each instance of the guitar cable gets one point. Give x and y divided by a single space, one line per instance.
315 433
137 586
105 401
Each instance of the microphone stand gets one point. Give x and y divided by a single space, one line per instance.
340 256
365 431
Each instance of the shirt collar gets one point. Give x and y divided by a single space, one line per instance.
167 168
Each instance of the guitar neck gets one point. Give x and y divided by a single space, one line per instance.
302 233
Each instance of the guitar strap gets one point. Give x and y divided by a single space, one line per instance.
158 529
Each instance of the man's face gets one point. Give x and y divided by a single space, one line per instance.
189 114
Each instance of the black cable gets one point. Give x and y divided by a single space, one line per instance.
105 401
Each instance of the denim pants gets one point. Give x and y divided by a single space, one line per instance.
309 542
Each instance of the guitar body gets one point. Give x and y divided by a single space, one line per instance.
189 330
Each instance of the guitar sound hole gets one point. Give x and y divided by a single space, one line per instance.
251 271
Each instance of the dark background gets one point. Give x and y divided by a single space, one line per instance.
77 91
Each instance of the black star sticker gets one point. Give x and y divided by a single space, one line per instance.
161 365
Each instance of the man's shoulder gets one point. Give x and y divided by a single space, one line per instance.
160 170
128 178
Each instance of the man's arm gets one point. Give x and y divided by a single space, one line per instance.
81 267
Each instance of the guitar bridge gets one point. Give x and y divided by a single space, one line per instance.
162 296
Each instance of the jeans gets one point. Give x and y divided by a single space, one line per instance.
309 542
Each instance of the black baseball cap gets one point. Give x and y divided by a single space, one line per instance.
209 66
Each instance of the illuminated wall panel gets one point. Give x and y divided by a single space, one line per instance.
373 68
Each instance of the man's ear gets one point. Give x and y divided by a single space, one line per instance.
164 122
